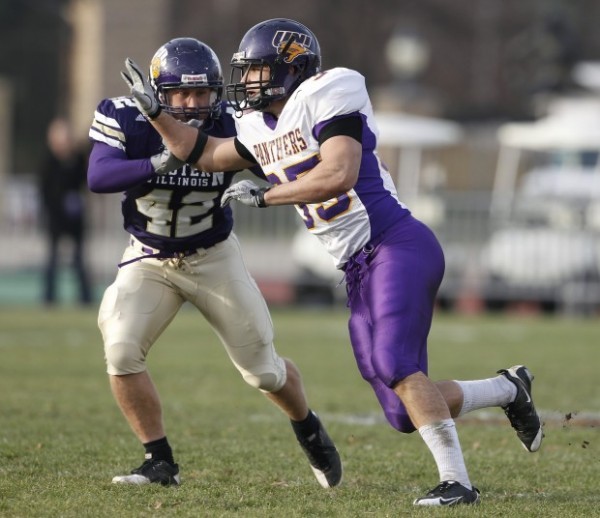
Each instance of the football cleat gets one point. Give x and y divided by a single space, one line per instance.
323 457
521 412
151 471
449 493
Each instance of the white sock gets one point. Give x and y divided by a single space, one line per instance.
442 440
486 393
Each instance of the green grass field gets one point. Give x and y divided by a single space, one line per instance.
62 437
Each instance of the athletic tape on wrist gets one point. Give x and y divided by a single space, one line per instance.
198 148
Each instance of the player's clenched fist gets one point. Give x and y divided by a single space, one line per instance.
246 192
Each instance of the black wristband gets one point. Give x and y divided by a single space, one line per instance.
198 148
260 196
156 113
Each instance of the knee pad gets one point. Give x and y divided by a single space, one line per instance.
266 377
124 358
265 382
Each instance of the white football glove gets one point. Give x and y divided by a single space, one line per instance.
141 90
165 162
246 192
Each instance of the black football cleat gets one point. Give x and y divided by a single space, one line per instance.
323 457
151 472
449 493
521 412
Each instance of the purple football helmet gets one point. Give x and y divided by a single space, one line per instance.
288 48
187 63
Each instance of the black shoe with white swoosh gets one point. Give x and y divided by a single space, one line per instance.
521 412
449 493
151 472
323 457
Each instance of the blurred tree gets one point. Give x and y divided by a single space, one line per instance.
33 35
539 58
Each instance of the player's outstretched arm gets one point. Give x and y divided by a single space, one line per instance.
184 141
336 173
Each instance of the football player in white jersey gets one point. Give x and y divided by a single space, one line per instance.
312 131
182 249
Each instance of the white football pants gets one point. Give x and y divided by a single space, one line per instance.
146 295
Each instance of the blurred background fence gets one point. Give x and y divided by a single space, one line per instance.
489 113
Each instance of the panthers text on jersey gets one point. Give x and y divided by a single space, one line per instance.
287 147
177 211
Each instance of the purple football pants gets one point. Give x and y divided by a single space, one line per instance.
392 284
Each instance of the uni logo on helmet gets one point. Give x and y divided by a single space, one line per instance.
290 45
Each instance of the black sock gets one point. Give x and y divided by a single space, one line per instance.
159 450
307 427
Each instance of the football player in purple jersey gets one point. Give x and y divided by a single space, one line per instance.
182 248
313 133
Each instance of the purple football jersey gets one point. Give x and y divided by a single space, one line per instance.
177 211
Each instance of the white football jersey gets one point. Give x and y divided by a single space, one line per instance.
288 147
